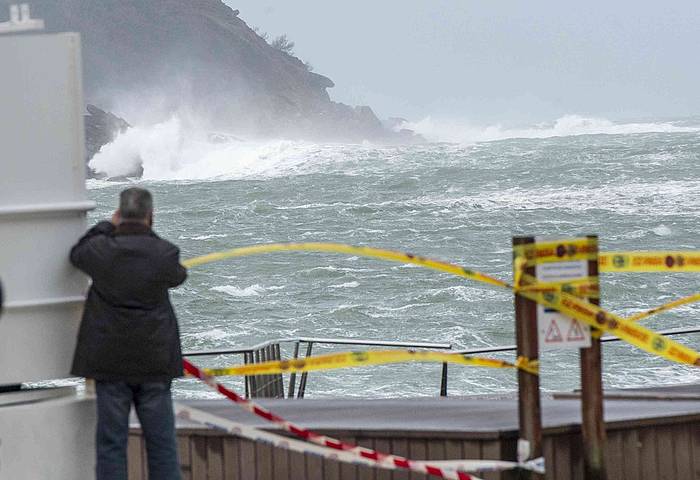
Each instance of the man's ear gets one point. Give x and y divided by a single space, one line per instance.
150 219
116 217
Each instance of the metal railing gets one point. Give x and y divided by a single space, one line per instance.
273 385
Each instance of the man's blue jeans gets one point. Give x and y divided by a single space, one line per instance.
154 407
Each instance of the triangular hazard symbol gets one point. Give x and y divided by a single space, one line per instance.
553 333
575 332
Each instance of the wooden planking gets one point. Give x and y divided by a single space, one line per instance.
280 464
183 453
134 452
471 450
232 458
631 449
315 467
453 449
664 455
614 462
682 451
417 450
348 472
666 451
263 461
382 445
509 451
562 456
215 458
399 446
198 457
491 450
331 470
550 466
363 472
297 465
247 459
647 453
695 444
436 449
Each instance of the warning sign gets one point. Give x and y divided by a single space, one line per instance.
575 332
556 330
553 334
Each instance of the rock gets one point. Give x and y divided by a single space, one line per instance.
101 128
166 55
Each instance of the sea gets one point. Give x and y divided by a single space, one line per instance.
460 196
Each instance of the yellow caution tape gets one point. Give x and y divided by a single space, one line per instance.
580 287
608 322
680 261
390 255
567 304
665 307
558 251
334 361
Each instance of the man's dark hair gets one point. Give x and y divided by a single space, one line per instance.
135 204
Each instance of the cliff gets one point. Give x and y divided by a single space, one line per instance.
198 55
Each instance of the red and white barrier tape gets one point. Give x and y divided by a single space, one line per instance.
450 469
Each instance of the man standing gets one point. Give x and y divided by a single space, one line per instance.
129 341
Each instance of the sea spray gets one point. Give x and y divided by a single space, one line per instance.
451 131
172 151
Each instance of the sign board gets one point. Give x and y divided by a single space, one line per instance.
556 331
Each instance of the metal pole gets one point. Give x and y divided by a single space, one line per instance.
279 382
264 357
256 378
293 375
246 379
443 382
592 420
529 410
305 375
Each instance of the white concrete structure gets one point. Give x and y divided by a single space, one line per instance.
21 20
43 208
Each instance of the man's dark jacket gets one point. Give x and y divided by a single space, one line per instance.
129 331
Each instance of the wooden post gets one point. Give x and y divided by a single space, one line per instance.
592 420
529 410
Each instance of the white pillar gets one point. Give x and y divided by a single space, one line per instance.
43 207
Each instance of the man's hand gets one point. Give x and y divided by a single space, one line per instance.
116 218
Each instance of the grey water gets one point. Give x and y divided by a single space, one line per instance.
459 203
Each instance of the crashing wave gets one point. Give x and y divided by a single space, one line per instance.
566 126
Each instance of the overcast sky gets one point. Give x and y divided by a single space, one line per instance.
507 61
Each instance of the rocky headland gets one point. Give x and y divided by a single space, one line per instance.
166 55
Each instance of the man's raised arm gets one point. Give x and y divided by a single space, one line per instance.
84 255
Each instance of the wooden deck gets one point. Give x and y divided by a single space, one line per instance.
647 439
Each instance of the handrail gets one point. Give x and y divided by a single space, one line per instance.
248 352
327 341
270 350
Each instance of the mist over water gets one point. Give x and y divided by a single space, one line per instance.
632 184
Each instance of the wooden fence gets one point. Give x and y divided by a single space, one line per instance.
649 449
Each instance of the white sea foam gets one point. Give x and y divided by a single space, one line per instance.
180 150
346 285
251 291
213 334
207 237
174 151
629 198
662 231
96 184
569 125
